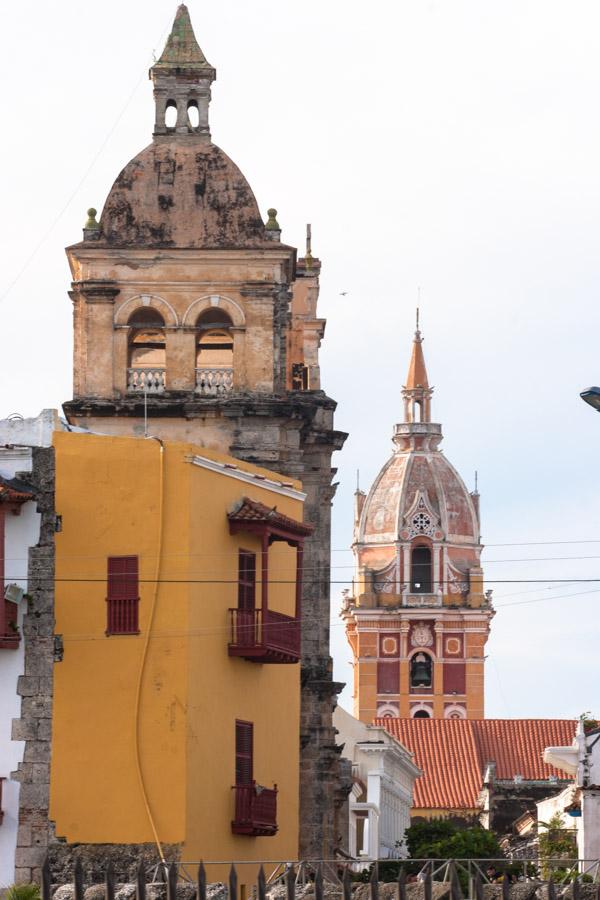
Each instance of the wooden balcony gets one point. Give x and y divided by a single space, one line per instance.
255 810
270 638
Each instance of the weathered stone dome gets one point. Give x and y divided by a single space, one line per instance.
418 492
182 193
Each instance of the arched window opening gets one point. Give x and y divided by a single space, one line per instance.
171 114
146 352
421 714
214 353
421 671
417 411
193 114
421 580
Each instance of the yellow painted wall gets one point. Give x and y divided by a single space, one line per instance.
108 494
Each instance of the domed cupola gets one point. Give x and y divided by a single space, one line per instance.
417 545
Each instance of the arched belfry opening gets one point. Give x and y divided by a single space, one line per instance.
421 570
214 352
421 672
146 352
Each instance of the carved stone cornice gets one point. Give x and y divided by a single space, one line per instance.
96 291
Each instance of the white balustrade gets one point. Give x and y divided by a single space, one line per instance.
150 381
214 382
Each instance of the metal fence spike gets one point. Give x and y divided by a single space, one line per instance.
374 881
109 882
78 880
201 881
233 883
290 883
319 883
261 884
402 883
478 886
505 887
455 889
172 881
140 882
576 891
46 880
427 883
347 884
551 889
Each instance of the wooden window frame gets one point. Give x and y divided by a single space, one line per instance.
122 595
244 758
246 585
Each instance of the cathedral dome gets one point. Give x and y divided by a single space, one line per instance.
418 492
182 193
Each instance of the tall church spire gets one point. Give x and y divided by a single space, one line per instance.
416 392
182 78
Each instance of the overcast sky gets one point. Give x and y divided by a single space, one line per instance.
448 144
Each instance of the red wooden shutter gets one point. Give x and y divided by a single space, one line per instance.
122 595
454 678
243 752
246 580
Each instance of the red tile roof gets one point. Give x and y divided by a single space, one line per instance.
14 491
453 754
249 510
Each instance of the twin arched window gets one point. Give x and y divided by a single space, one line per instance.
147 362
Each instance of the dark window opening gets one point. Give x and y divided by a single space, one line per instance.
421 580
244 738
421 671
421 714
246 580
299 377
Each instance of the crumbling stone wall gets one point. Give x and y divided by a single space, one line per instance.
35 831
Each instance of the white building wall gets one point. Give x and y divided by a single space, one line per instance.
21 532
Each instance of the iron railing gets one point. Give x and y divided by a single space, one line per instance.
463 877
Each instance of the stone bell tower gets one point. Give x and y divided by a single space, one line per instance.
419 617
193 321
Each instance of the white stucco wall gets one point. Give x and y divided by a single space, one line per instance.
386 769
22 532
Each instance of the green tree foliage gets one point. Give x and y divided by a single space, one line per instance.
556 843
444 839
23 892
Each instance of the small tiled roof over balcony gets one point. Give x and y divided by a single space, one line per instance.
252 511
453 754
14 491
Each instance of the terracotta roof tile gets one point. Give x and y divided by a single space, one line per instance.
14 491
453 754
249 510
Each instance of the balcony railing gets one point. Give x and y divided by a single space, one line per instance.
255 810
214 382
149 381
11 638
274 639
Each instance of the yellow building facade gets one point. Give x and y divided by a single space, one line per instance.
176 599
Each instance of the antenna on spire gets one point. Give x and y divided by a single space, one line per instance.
476 491
358 479
418 308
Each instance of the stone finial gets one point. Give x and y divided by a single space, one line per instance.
91 229
272 226
272 223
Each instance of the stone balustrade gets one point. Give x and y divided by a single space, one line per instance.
213 382
150 381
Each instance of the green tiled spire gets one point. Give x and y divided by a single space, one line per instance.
182 50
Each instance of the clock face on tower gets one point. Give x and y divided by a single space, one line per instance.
421 635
